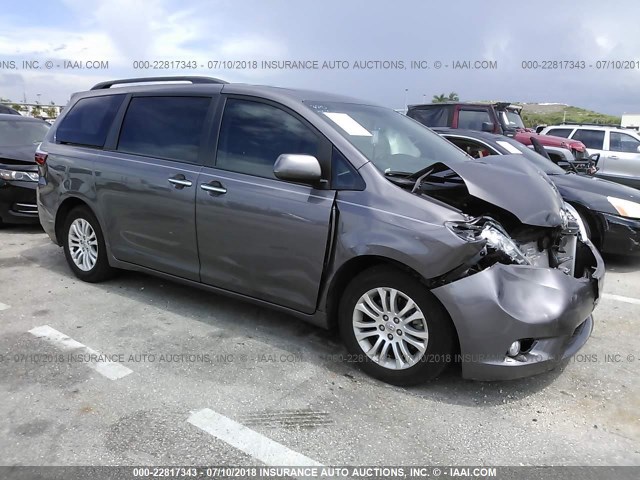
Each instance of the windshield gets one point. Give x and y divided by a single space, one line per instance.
544 164
391 141
18 133
511 119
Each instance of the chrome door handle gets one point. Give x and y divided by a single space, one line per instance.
180 182
219 189
613 156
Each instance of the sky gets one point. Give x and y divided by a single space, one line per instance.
505 32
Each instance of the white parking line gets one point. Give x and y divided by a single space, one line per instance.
4 306
111 370
620 298
252 443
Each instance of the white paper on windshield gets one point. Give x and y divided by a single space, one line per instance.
348 124
510 148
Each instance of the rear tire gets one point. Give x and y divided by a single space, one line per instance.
394 328
84 246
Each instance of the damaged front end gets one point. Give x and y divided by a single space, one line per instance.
543 247
523 303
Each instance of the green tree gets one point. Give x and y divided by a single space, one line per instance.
17 107
439 98
453 97
36 111
51 111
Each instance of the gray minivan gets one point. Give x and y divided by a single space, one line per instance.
336 211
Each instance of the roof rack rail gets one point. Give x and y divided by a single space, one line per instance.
192 79
592 124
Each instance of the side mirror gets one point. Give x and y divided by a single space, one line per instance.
297 168
596 156
487 127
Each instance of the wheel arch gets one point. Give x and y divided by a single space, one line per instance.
596 224
67 206
355 266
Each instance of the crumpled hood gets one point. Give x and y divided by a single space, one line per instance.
516 186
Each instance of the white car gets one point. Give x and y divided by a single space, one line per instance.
619 149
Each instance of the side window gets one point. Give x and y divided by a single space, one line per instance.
89 120
343 175
164 127
621 142
470 147
591 138
560 132
253 135
432 117
472 119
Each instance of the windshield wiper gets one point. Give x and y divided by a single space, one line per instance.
416 186
393 173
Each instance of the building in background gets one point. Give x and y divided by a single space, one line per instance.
631 120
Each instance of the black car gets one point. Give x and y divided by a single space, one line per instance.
19 137
610 211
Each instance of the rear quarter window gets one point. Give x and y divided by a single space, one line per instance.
560 132
433 117
88 121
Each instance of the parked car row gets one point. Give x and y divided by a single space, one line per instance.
618 149
610 211
498 118
339 212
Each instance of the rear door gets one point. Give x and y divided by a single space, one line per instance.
623 158
146 186
257 235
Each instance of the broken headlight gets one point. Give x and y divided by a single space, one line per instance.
492 234
574 216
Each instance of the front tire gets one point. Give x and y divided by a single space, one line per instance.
395 327
84 246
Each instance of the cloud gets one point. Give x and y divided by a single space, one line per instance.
122 31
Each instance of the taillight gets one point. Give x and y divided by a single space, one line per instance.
41 156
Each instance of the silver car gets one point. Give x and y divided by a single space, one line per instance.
339 212
619 149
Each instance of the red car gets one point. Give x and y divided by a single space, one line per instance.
499 118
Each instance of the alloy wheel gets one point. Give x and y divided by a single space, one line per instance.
390 328
83 244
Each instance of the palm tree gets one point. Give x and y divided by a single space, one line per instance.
439 98
453 97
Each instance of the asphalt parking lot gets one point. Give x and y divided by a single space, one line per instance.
189 357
